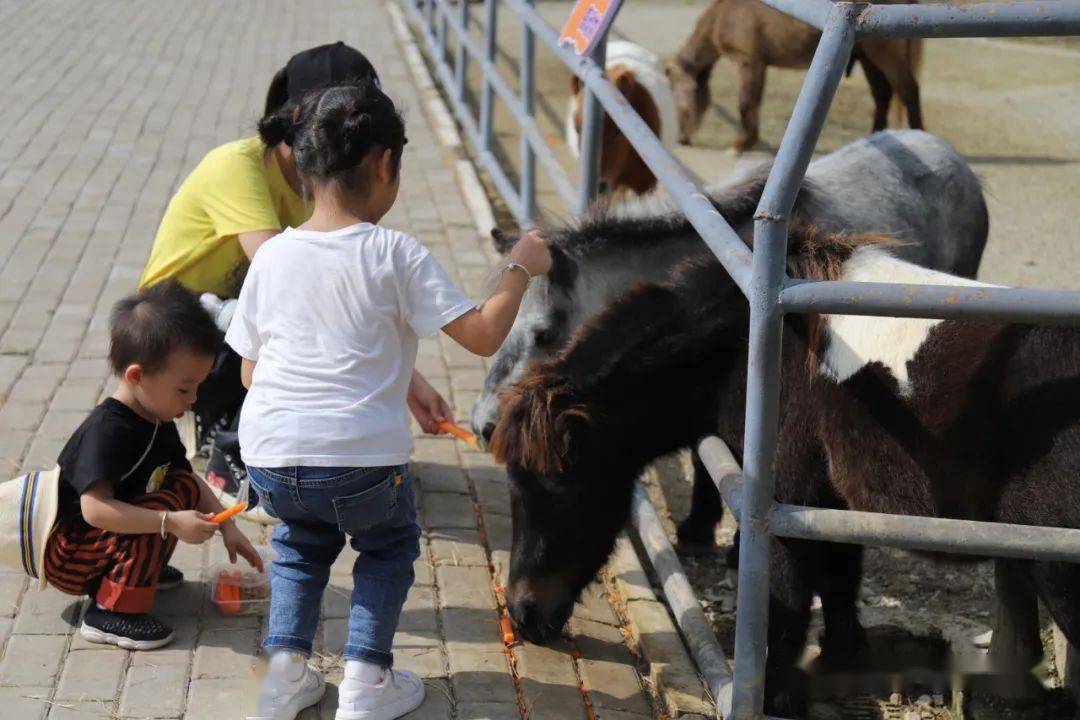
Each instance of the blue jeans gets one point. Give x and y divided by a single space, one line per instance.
318 507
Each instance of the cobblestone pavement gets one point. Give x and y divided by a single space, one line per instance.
107 106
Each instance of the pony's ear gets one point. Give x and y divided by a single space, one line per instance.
502 241
626 81
541 428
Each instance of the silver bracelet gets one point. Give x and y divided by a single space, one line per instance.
517 266
164 515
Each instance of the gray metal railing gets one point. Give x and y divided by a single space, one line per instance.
761 277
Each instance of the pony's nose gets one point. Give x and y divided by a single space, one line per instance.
602 187
487 431
529 623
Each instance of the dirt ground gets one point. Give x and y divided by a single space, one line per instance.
1010 107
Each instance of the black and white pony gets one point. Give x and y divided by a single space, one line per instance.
956 419
911 184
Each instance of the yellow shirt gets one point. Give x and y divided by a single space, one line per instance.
232 191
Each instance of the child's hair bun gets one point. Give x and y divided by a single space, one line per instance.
339 125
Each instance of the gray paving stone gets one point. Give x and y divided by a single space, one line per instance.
488 711
438 477
465 587
436 706
457 546
208 697
48 612
614 686
593 605
448 510
224 653
421 653
481 676
472 629
337 599
418 613
11 590
24 702
74 710
154 691
5 631
493 495
90 675
32 660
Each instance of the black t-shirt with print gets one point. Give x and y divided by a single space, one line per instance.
115 444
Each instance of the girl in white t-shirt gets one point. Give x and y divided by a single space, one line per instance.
327 324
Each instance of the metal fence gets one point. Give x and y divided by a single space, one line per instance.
762 278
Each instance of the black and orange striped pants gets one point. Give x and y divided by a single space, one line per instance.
120 570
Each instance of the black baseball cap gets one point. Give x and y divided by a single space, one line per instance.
315 67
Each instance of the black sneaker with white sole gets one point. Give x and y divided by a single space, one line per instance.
131 632
170 578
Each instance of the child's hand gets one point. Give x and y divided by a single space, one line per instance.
236 542
191 526
532 252
426 404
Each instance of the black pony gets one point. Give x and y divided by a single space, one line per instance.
960 419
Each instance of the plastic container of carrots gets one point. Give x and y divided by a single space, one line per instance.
241 589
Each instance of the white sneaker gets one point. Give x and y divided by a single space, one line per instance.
399 692
290 686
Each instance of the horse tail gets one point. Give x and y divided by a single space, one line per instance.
913 60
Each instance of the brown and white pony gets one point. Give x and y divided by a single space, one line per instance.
957 419
640 77
756 36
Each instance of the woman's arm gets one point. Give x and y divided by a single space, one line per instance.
247 370
250 242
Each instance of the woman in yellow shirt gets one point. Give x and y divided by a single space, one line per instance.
238 197
246 191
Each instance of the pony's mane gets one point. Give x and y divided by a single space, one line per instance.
688 314
814 254
641 223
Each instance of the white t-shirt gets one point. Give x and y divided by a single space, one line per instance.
332 320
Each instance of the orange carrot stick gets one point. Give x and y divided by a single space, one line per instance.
507 630
226 514
459 433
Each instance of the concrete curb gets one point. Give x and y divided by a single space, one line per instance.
670 668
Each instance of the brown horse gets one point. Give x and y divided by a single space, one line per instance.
755 36
639 76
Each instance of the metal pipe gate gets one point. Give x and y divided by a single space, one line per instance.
761 277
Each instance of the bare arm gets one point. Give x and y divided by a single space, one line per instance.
250 242
482 331
247 370
102 510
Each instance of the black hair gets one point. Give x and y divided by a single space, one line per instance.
277 125
338 126
316 67
278 93
147 326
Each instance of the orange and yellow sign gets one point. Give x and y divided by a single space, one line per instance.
588 22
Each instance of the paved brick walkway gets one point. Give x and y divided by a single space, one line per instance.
107 106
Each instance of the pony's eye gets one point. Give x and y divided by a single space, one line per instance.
544 337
